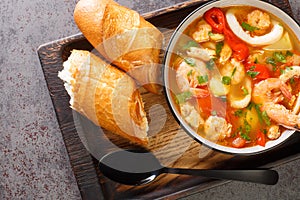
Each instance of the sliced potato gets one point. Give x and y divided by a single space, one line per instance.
284 44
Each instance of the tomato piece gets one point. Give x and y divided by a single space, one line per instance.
216 19
204 104
241 52
259 71
238 142
211 104
240 49
261 139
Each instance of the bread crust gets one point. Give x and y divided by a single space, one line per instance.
124 38
105 95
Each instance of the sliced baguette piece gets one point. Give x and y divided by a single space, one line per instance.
105 95
124 38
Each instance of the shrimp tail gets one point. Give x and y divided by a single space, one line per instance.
285 91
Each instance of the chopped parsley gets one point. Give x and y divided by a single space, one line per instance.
219 47
214 113
288 53
252 74
226 80
190 73
245 91
262 116
266 118
210 64
238 113
182 97
292 80
190 61
202 79
271 61
244 130
190 44
250 106
233 72
279 57
248 27
245 136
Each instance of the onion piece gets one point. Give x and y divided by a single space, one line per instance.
273 36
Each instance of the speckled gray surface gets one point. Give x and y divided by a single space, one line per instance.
33 160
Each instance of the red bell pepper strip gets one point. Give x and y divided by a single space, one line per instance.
261 139
216 19
240 49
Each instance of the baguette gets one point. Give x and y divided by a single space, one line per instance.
124 38
105 95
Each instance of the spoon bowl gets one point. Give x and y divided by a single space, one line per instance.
133 167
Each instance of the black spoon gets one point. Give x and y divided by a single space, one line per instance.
135 168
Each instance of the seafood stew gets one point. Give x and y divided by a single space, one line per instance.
236 71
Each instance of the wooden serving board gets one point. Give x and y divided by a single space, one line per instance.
86 142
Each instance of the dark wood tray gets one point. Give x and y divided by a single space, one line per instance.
92 184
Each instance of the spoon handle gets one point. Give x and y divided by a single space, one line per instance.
263 176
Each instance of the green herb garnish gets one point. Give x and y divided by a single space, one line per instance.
245 136
182 97
190 61
245 91
252 74
214 113
238 113
266 118
288 53
210 33
279 57
259 113
233 72
202 79
226 80
210 64
250 106
219 47
247 127
190 44
248 27
271 61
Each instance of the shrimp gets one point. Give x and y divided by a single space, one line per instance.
270 90
187 77
282 115
202 31
269 93
235 70
216 128
293 60
290 73
259 20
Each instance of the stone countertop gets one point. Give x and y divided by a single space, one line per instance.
33 159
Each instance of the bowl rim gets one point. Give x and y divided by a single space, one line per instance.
198 12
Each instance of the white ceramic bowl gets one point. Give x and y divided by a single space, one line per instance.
169 76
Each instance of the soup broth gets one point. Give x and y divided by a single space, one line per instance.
237 76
